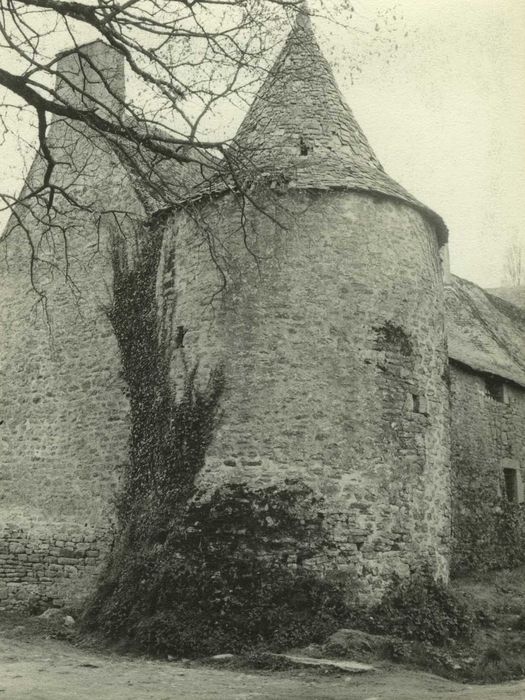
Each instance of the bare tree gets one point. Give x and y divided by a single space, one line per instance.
95 145
185 61
185 56
514 264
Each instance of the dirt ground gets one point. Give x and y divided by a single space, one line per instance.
46 669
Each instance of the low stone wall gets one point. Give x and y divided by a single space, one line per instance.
49 564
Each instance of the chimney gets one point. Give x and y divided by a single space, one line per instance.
92 76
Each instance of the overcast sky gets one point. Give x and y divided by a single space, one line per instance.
445 113
446 117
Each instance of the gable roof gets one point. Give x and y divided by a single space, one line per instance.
485 332
161 181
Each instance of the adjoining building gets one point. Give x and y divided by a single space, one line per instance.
355 364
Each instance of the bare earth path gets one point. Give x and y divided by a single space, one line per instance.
52 670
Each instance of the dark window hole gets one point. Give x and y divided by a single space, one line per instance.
179 338
511 484
303 147
495 389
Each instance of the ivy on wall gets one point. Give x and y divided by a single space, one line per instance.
488 531
192 573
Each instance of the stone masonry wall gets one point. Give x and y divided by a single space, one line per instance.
63 406
331 331
48 564
487 437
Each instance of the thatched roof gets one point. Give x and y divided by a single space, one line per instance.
485 332
514 295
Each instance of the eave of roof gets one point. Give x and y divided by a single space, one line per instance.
485 333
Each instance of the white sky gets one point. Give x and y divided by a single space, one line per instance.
445 114
447 119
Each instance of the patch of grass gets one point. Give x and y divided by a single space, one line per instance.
25 627
420 608
499 662
487 644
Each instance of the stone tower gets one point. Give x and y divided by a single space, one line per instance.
314 279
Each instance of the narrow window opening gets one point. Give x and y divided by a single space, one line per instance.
495 389
511 484
303 148
179 338
161 536
419 404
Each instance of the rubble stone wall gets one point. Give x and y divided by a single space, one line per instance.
487 438
330 327
48 564
63 405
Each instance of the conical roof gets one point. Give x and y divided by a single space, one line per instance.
299 117
300 131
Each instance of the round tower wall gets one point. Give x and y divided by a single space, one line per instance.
326 311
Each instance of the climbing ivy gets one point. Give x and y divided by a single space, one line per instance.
192 573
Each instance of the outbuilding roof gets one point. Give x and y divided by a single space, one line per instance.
514 295
485 332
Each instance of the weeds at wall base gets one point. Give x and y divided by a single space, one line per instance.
490 649
186 576
221 579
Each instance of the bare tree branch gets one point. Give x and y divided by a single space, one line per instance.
184 58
